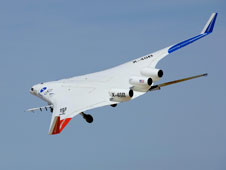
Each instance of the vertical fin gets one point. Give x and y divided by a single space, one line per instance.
210 24
58 125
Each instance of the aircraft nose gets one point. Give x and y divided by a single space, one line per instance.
32 90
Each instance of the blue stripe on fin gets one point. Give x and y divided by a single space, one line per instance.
209 29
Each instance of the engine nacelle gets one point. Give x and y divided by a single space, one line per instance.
140 81
155 74
121 94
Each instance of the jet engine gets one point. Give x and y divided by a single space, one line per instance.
121 94
141 84
155 74
140 81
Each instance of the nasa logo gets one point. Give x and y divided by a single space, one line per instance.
43 89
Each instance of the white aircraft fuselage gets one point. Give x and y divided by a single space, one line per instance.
67 98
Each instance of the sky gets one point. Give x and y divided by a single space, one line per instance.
179 127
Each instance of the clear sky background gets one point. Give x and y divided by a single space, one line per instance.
182 126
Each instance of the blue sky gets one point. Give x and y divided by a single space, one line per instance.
180 127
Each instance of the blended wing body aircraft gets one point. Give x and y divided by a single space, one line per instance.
67 98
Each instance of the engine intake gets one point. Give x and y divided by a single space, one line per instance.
155 74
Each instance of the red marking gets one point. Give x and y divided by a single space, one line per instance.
63 123
60 125
56 126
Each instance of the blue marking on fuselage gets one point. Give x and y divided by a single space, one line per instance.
43 89
186 42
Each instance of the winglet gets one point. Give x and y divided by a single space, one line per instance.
58 125
210 24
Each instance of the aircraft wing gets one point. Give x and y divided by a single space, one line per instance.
123 72
70 100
